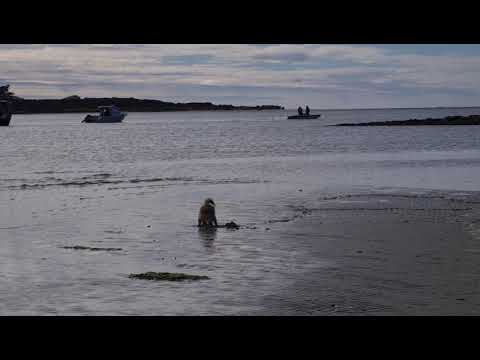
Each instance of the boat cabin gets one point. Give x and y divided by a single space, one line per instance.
108 110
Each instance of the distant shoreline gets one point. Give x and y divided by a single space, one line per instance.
133 111
75 104
129 111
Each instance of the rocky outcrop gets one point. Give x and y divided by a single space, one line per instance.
449 120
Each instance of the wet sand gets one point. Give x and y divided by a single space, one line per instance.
385 255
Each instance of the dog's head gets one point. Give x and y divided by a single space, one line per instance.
209 202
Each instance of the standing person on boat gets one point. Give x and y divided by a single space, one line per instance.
300 111
307 110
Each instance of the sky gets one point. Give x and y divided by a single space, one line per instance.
323 76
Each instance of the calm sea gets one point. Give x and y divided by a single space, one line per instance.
138 186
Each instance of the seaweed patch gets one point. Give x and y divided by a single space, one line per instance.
166 276
78 247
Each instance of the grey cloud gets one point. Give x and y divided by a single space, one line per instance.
284 72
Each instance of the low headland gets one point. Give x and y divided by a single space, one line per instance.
76 104
449 120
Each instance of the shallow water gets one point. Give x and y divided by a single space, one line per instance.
138 186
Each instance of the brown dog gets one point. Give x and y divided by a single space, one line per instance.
206 216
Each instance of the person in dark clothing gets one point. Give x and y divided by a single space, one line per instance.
300 111
307 110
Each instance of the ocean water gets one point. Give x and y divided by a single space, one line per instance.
138 186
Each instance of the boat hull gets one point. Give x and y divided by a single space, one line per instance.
304 117
5 120
104 119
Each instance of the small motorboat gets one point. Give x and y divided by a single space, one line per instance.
107 114
5 113
306 117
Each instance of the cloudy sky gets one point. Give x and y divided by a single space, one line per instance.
323 76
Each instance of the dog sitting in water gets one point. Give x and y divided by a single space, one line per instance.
206 216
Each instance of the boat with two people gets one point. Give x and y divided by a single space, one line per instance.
305 115
5 113
107 114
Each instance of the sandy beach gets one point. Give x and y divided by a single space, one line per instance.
385 254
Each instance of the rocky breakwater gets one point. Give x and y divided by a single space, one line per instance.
449 120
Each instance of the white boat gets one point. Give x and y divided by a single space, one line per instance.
107 114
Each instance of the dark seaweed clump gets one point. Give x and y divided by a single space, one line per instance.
78 247
166 276
229 225
232 225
